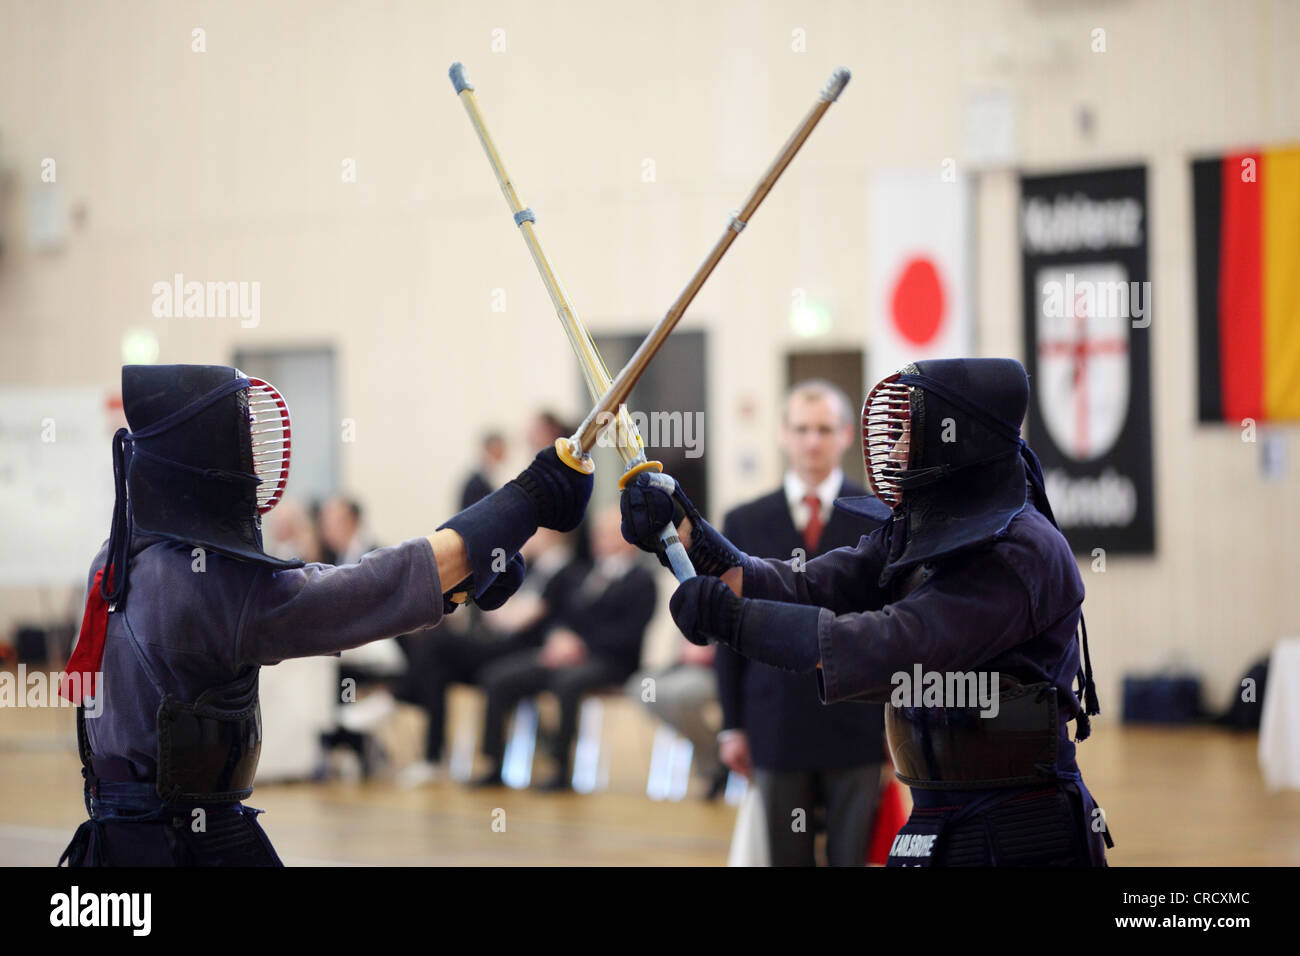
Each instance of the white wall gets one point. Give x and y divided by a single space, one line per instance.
226 165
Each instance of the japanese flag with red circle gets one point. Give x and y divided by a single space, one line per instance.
919 279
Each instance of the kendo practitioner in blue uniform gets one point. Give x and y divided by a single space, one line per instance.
969 573
185 607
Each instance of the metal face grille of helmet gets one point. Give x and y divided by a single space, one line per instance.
886 438
268 425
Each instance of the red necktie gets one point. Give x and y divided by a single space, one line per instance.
812 531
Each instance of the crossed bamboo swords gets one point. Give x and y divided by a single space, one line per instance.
609 394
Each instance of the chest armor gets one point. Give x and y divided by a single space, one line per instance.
207 749
959 748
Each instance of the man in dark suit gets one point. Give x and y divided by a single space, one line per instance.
594 642
802 755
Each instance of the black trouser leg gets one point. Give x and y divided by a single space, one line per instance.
435 666
506 682
789 799
851 796
570 685
425 685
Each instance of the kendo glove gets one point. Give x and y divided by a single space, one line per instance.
503 586
770 632
546 494
647 508
496 593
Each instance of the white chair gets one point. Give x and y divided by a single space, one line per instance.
517 766
464 746
590 758
670 765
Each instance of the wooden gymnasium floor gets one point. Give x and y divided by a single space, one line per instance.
1173 797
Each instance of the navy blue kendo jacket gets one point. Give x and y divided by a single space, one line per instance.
191 630
1011 605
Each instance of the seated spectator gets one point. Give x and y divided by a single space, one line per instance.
595 642
441 658
683 696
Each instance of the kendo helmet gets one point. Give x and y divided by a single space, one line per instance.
930 420
942 448
206 454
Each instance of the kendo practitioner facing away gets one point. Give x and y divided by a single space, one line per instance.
969 574
185 607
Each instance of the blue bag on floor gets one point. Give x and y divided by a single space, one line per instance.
1162 699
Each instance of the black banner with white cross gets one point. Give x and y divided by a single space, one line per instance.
1087 301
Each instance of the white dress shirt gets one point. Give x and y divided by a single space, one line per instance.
826 492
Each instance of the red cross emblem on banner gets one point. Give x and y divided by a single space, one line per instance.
1083 349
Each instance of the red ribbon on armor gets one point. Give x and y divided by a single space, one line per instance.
88 657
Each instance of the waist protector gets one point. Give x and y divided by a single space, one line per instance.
208 750
954 748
